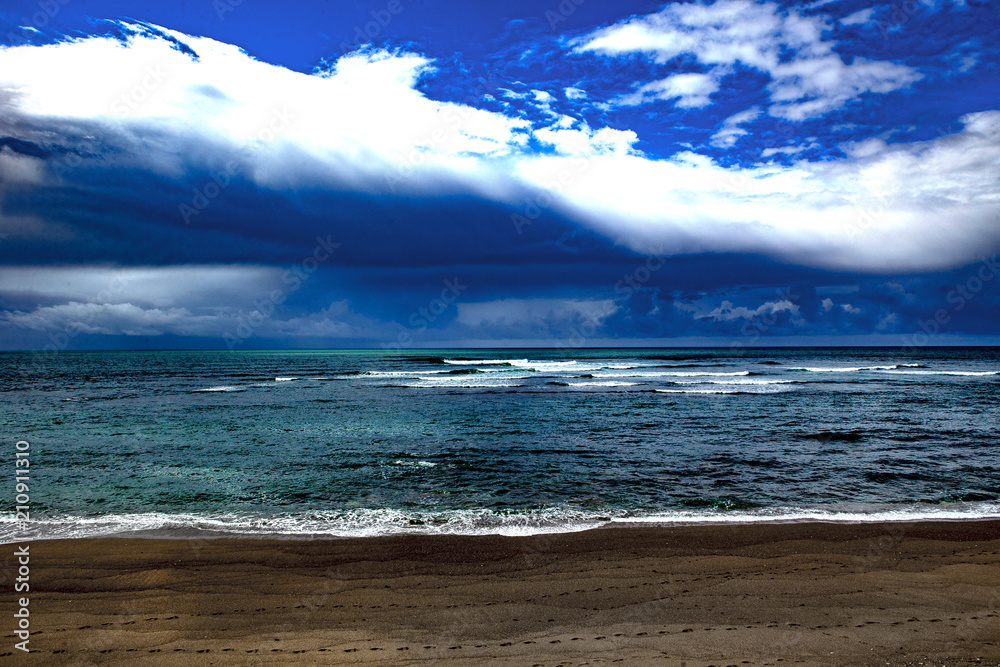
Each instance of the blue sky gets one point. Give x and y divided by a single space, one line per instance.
413 174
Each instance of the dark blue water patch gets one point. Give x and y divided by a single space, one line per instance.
828 436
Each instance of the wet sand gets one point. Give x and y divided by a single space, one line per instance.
824 594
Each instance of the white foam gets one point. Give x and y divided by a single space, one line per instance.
374 522
830 370
849 369
445 385
285 379
636 374
555 366
731 388
484 362
896 369
663 374
471 379
408 374
687 374
226 388
870 514
347 523
738 381
698 391
955 373
602 384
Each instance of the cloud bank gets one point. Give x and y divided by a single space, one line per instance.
204 175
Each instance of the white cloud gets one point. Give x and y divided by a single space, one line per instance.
537 312
859 17
726 311
690 90
787 150
587 142
543 97
809 78
299 126
115 319
884 207
543 102
806 88
190 285
731 131
20 169
575 93
182 300
512 95
927 205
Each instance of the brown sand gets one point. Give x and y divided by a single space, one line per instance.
740 595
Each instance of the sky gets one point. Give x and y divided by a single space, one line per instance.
408 174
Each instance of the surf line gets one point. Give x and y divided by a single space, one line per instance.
22 584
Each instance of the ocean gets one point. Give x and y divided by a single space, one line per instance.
374 442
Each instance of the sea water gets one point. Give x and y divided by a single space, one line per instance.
372 442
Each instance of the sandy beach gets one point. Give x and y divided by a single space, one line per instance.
906 593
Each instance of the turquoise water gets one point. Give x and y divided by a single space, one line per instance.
519 441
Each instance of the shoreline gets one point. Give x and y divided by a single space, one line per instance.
197 529
820 593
